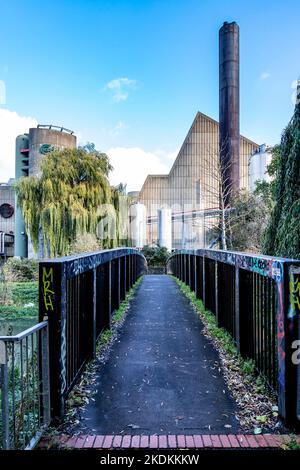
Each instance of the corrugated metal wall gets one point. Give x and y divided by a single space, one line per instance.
192 184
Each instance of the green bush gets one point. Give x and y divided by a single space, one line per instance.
13 312
21 270
155 255
21 299
24 292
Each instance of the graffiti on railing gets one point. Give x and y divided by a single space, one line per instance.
277 272
267 323
63 352
48 289
294 287
256 264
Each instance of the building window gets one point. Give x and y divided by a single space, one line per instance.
6 211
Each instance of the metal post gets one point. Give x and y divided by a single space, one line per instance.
237 308
118 282
195 275
216 294
128 272
46 404
94 324
52 307
4 396
124 277
132 270
182 269
204 281
109 293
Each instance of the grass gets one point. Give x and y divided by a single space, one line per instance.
18 300
293 444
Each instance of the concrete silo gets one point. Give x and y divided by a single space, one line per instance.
259 161
137 224
44 139
164 220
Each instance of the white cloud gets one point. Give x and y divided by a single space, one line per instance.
11 125
120 88
132 165
165 156
265 75
119 127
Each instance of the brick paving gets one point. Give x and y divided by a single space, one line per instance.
205 441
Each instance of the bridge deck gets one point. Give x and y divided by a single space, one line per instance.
162 374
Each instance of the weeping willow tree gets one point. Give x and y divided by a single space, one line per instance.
282 237
113 227
64 201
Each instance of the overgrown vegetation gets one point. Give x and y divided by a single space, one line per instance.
18 300
248 221
155 255
20 270
18 296
283 234
293 444
258 406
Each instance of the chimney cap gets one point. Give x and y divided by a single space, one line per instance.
232 24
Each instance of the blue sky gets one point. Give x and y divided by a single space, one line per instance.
62 61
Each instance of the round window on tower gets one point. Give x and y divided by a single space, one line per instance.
6 211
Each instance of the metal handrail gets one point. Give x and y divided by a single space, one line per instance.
25 387
23 334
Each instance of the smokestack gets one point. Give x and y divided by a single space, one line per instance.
229 107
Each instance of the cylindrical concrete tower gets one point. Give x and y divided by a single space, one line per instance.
164 219
229 107
43 140
22 168
137 225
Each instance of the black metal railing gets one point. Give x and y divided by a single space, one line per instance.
78 295
257 300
